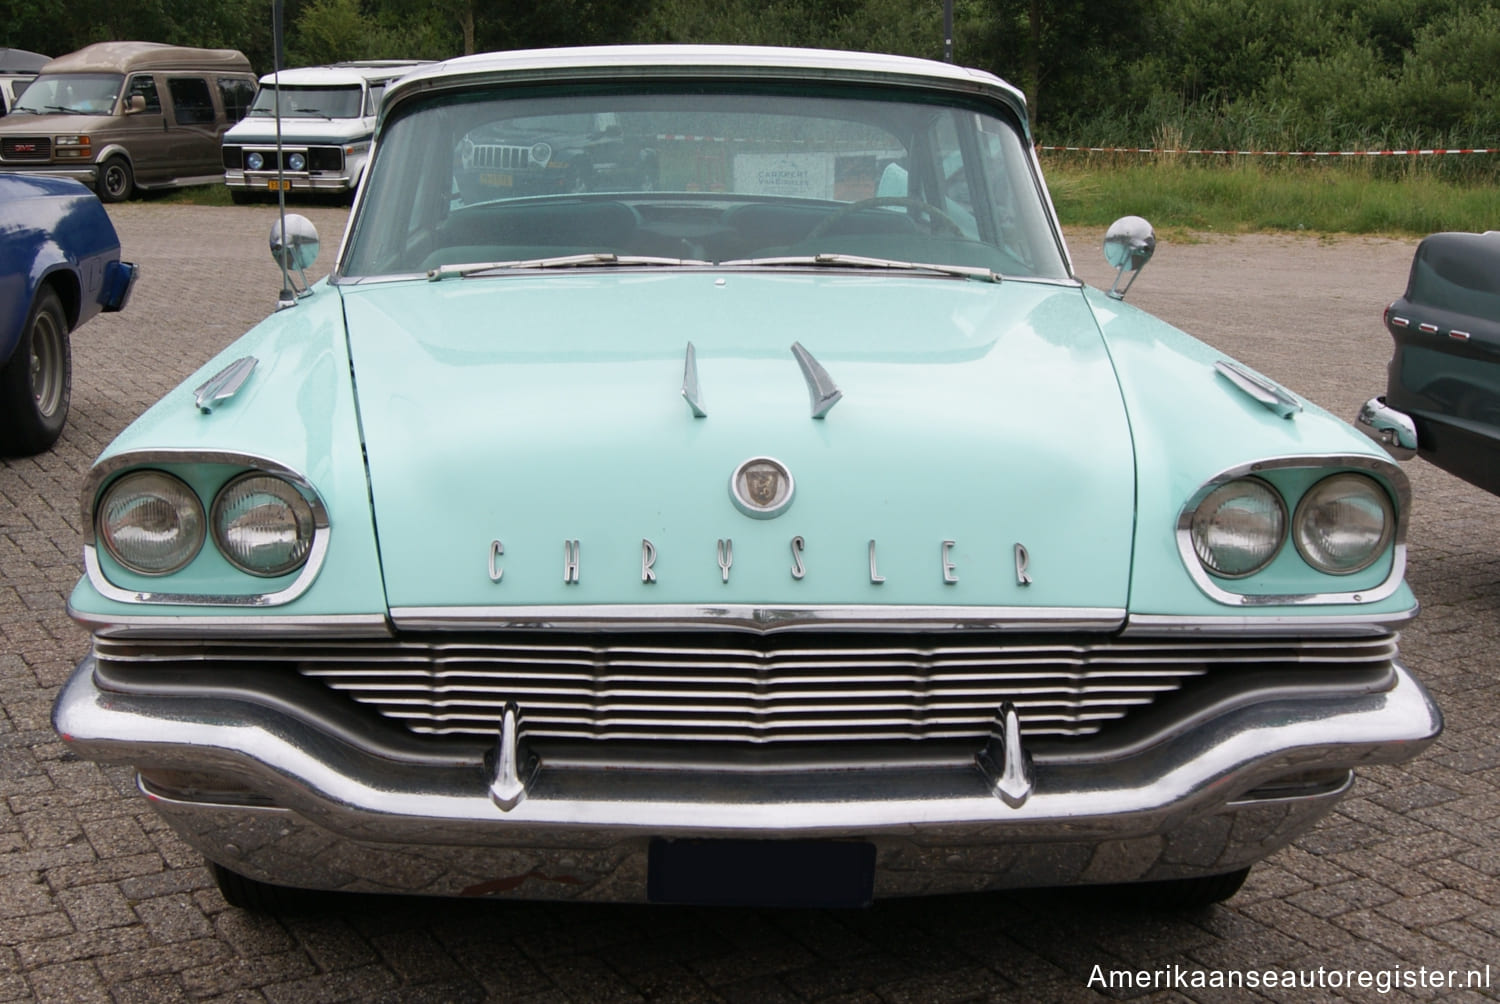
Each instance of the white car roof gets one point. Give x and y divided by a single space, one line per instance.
738 62
342 73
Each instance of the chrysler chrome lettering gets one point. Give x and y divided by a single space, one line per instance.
726 556
573 552
648 559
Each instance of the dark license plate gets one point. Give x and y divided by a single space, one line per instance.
799 873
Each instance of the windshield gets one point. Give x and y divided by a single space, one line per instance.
310 102
489 177
71 93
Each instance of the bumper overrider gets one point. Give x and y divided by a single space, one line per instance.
296 792
1392 429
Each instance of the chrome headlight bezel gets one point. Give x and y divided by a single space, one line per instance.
1280 584
197 584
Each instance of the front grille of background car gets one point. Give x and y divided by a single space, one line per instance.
26 148
325 158
319 158
508 158
795 687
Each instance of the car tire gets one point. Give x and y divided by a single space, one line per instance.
36 384
116 180
262 897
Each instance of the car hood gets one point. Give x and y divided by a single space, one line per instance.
298 130
979 422
27 124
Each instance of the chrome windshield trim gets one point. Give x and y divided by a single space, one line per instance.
758 619
105 469
1395 478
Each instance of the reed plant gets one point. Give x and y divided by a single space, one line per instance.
1407 196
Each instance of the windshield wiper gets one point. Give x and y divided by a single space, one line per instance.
561 261
860 261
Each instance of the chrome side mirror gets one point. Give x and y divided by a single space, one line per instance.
1128 246
293 248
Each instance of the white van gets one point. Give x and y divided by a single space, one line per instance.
327 120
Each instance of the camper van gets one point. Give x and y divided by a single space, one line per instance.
122 116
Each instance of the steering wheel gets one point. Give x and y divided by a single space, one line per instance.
939 219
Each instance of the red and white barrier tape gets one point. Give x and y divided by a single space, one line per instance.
1436 152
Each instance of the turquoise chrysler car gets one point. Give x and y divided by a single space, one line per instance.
781 524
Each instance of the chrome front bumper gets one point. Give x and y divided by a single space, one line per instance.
1210 796
260 181
1392 429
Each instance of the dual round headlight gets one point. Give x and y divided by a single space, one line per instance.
1342 525
255 161
152 523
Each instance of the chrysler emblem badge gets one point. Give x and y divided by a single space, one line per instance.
761 488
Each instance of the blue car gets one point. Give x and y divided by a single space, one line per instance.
785 524
59 266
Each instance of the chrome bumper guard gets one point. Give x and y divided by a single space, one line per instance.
1392 429
310 810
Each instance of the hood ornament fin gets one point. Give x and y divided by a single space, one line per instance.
1269 395
821 390
224 384
690 392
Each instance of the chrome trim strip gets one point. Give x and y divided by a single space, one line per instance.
757 619
107 468
822 392
1270 395
1394 477
1138 625
300 626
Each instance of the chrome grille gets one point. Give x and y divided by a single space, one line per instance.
779 688
510 158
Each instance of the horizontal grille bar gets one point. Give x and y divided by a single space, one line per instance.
721 688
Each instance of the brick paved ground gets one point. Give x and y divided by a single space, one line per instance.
99 902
